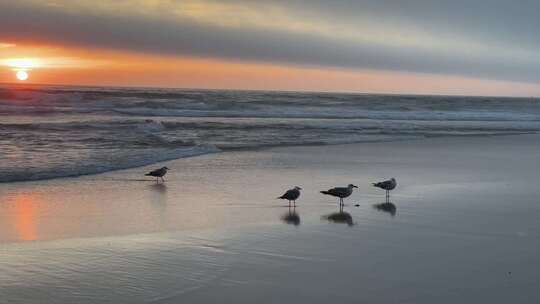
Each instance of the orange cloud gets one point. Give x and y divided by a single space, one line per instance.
72 66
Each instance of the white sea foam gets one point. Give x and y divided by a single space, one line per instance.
70 164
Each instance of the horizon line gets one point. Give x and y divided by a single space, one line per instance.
260 90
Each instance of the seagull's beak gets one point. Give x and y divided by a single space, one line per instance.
355 186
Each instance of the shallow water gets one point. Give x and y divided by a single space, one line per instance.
465 228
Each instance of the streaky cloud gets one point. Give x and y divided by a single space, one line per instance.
470 43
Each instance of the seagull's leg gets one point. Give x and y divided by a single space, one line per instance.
162 179
294 202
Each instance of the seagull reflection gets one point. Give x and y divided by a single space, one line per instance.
161 188
340 217
386 207
291 217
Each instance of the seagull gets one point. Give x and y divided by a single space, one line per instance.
387 185
158 173
341 192
291 195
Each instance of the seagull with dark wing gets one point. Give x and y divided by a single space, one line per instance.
158 173
341 192
387 185
291 195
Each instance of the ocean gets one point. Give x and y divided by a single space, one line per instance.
55 131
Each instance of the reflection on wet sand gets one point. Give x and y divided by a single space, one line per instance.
291 217
25 217
386 207
162 188
158 197
340 217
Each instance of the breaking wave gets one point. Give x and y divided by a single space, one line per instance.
49 132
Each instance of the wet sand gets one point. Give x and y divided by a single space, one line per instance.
463 228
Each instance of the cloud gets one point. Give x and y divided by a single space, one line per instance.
488 39
6 45
27 63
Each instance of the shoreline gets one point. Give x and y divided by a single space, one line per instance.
269 147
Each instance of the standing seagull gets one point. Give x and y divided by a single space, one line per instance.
387 185
291 195
341 192
158 173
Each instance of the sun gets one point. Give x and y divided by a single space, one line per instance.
22 66
22 75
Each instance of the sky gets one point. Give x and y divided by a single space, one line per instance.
463 47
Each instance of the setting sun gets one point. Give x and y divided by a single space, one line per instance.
22 75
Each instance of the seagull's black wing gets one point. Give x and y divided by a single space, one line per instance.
156 172
291 194
338 191
388 184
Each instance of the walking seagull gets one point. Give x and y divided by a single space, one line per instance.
158 173
291 195
341 192
387 185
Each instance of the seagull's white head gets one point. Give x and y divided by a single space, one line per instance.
297 188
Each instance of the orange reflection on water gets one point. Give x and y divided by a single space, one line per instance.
25 217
